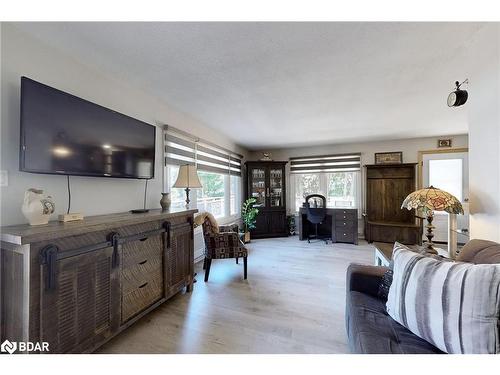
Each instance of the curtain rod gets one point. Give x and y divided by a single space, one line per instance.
197 139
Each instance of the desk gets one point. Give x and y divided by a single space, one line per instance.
341 224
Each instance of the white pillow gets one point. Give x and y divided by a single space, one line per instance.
454 306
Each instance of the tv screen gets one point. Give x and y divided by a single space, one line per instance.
64 134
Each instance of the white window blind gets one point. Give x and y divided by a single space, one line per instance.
182 148
326 163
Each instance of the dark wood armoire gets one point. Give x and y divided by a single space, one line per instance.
267 184
386 188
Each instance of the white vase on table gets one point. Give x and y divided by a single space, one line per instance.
37 207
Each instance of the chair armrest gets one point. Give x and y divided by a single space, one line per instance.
364 278
228 228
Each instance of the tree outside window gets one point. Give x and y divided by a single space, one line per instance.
341 189
211 196
306 184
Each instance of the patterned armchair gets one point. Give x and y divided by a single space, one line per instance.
222 244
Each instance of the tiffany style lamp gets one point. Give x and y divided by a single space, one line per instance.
429 200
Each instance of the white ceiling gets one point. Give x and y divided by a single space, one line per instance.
271 85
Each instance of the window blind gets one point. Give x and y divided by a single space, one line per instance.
182 148
326 163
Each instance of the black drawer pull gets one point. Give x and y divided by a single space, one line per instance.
143 239
143 285
143 262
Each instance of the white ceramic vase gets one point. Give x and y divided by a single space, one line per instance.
37 207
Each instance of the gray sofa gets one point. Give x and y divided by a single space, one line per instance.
370 329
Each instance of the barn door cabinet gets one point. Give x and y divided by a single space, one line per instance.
77 285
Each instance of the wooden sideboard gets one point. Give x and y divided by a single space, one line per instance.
76 285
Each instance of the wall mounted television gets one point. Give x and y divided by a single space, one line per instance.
66 135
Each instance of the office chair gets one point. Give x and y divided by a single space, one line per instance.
316 216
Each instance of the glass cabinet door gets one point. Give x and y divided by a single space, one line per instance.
258 186
275 187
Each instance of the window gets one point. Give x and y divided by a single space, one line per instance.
211 196
220 194
337 177
306 184
341 189
219 171
235 195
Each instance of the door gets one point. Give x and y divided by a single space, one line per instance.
81 308
180 257
258 186
278 222
448 171
276 190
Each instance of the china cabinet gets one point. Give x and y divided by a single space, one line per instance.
266 183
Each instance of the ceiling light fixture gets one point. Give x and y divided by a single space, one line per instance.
458 97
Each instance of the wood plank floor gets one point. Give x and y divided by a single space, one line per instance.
292 302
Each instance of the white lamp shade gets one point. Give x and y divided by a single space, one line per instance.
187 177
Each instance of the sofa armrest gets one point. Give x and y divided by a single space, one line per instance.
364 278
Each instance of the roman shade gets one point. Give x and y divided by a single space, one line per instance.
326 163
182 148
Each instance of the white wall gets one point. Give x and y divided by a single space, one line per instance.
484 134
409 147
24 55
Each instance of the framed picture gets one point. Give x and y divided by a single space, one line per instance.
444 142
389 157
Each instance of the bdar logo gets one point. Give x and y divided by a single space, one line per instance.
8 347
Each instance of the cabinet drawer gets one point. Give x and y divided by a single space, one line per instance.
137 274
344 235
141 297
345 224
145 249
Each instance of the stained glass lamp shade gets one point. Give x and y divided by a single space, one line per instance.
429 200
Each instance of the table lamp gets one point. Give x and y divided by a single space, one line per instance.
429 200
188 179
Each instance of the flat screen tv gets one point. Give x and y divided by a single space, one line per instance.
66 135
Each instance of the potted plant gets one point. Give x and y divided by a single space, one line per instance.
249 216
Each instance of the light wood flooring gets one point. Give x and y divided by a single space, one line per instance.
292 302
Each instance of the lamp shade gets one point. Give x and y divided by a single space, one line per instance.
187 177
433 199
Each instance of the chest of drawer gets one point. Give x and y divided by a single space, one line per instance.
142 276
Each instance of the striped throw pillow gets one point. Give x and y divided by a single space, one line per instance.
452 305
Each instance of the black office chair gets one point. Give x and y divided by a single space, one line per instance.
316 215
